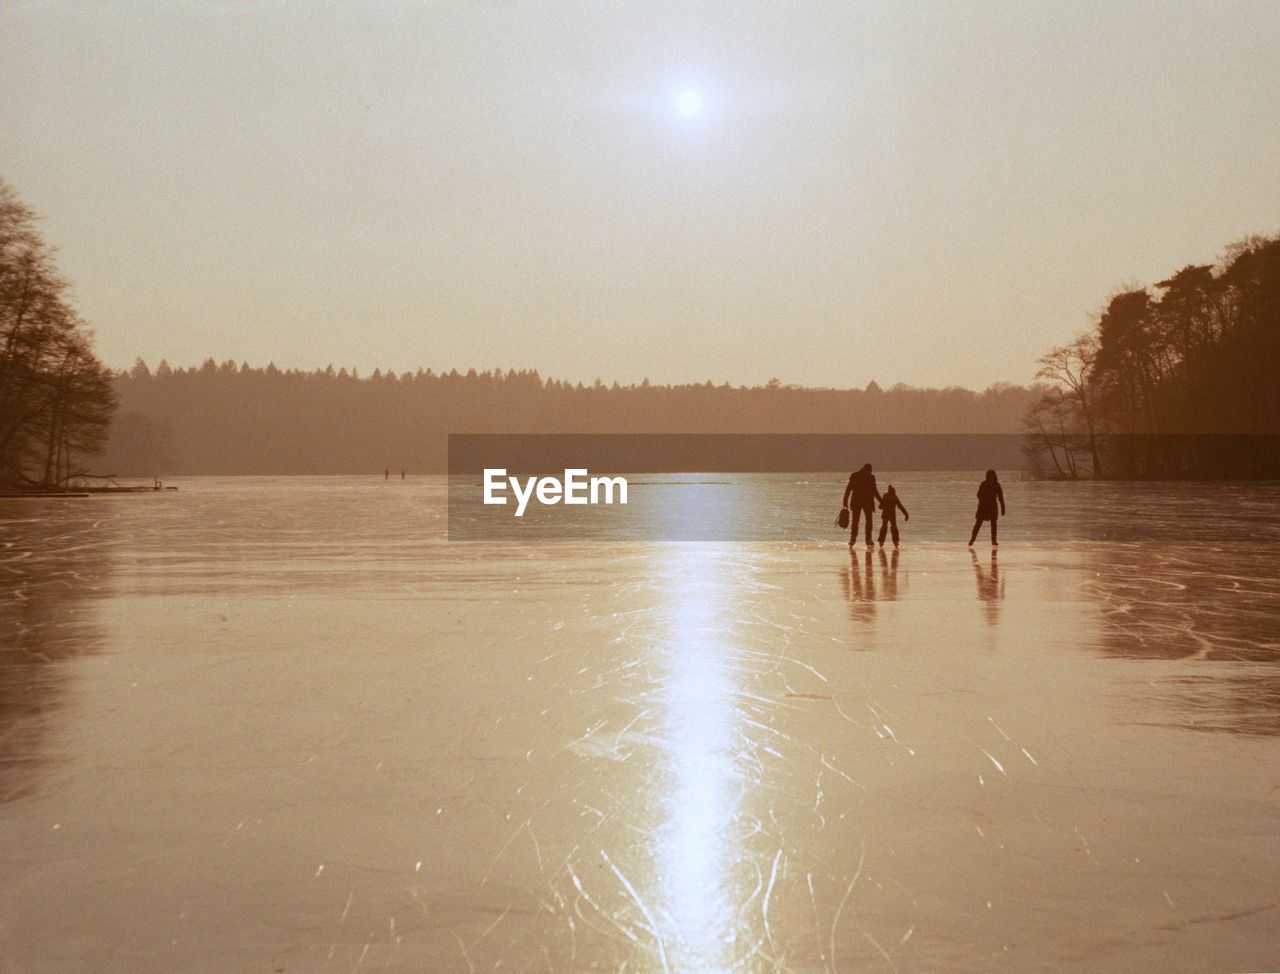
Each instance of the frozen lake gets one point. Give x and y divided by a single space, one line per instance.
284 725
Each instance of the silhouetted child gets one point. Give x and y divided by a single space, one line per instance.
889 507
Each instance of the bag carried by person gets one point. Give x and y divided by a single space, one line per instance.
842 519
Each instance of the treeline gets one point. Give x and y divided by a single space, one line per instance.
1178 380
56 398
234 419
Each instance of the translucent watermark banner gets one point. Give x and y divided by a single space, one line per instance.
791 488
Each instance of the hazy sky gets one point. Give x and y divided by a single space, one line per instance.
925 193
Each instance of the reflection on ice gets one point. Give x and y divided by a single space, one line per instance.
699 697
49 574
990 584
867 578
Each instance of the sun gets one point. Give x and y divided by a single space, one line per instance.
689 103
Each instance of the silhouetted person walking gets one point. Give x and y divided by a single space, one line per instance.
860 496
990 496
889 507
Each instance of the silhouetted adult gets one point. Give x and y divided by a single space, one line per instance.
990 497
860 496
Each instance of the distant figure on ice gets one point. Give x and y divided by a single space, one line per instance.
402 475
860 496
890 504
386 474
990 494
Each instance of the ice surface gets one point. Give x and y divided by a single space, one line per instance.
282 725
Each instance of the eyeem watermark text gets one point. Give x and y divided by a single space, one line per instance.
577 487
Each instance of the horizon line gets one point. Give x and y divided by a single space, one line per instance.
353 372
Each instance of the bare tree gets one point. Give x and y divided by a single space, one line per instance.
56 399
1071 368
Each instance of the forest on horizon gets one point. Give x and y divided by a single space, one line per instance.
237 419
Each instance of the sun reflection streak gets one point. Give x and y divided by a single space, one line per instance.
694 851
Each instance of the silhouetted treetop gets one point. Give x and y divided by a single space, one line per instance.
1176 380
